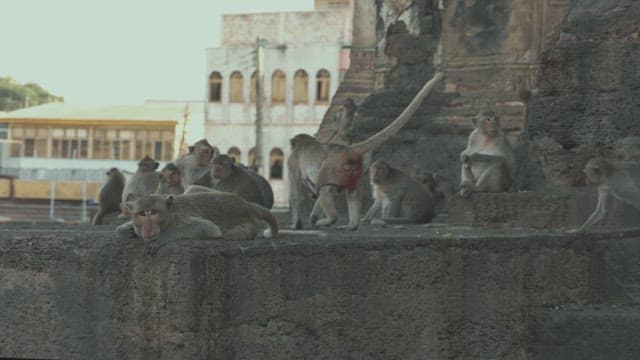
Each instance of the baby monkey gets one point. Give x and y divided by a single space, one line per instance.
158 219
402 199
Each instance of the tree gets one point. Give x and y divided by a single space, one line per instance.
14 95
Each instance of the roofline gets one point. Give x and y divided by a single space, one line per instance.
92 122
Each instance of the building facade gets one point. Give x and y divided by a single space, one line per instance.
303 57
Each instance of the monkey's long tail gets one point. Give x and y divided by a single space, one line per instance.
266 216
381 136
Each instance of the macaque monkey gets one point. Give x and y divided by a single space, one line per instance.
238 218
322 168
620 181
230 177
144 181
194 166
170 181
158 219
488 159
110 195
627 148
402 199
344 133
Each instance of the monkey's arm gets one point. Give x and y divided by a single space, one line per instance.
601 208
476 157
373 210
125 231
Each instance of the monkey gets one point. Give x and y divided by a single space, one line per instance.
402 199
110 195
627 148
620 181
144 181
230 177
488 159
194 166
325 167
345 130
158 219
170 181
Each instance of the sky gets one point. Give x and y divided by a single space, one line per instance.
118 51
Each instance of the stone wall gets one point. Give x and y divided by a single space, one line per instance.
75 293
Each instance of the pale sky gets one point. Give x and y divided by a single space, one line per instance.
117 51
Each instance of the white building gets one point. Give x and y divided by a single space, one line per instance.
305 57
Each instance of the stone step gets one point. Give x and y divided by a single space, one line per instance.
587 332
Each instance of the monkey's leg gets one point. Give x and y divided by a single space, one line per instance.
601 209
325 201
495 178
466 182
373 210
247 231
354 205
294 200
97 220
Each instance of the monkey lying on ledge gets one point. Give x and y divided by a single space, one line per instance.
196 215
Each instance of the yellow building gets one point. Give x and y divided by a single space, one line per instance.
61 143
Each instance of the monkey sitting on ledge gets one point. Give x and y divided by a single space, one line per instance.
402 199
488 159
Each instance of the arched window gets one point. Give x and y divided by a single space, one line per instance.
322 85
300 87
276 159
252 87
235 153
251 161
215 87
235 87
278 86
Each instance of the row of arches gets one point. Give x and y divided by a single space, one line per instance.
276 160
278 86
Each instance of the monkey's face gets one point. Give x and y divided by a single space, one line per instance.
220 169
378 172
149 215
204 154
489 125
593 173
171 178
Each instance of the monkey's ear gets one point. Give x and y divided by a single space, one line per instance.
191 148
474 121
129 206
170 202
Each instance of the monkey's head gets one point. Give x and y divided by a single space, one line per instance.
147 164
203 151
300 140
488 123
151 215
113 171
349 105
378 171
598 170
170 174
222 166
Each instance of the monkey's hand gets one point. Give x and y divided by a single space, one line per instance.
125 231
466 189
153 248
